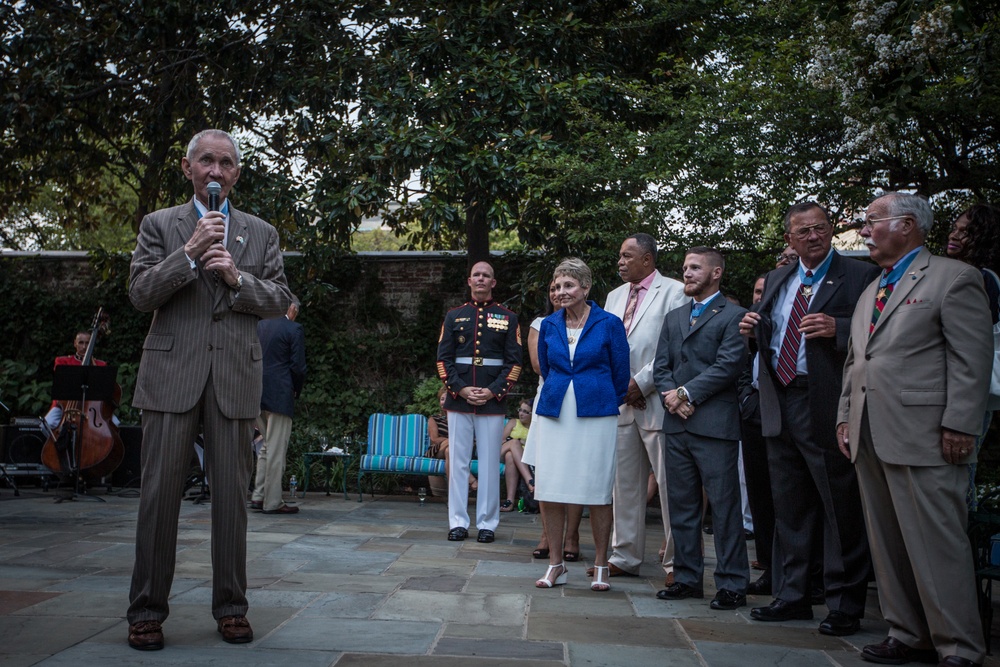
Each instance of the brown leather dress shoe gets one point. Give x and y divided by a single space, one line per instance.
613 571
235 629
894 652
145 636
284 509
957 661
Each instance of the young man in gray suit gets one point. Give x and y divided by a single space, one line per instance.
915 386
698 360
207 277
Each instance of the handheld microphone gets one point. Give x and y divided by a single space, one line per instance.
214 191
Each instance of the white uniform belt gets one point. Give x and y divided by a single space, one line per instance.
478 361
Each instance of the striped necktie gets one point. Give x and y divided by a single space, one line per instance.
788 355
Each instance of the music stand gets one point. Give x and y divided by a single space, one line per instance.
4 475
81 383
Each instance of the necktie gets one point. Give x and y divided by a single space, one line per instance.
633 301
788 355
885 289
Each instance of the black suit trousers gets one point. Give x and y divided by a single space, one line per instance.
815 485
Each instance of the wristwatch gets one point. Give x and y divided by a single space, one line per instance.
239 281
682 394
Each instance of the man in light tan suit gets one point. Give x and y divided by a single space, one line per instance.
642 303
207 277
915 385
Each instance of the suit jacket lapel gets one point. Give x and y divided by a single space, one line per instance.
906 283
655 292
711 308
237 235
832 281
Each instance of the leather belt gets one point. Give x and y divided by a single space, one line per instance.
478 361
800 381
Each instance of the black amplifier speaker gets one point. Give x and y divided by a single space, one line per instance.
128 474
21 447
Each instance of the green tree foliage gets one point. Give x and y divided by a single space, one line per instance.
100 98
833 101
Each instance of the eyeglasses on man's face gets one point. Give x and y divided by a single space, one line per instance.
869 223
788 257
805 232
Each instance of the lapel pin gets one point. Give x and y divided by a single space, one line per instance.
239 239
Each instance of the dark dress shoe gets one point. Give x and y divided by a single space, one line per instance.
956 661
284 509
894 652
485 536
779 610
145 636
235 629
680 591
256 505
457 534
839 624
725 600
760 587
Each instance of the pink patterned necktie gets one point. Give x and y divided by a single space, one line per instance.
788 355
633 301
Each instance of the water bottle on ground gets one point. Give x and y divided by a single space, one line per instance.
293 485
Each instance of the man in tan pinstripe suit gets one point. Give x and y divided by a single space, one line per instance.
207 277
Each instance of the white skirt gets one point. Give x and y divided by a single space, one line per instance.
574 457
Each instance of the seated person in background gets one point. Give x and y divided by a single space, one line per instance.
515 433
80 344
437 430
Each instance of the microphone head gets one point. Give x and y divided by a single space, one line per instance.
214 192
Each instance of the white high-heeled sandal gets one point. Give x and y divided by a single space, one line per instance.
600 583
560 580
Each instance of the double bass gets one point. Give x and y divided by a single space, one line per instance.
86 443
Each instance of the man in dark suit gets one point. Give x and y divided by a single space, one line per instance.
914 393
802 327
284 346
698 360
207 277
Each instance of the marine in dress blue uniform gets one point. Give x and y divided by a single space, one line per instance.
479 361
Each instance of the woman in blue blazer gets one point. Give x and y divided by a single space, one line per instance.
583 355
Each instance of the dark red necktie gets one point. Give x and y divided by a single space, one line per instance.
788 355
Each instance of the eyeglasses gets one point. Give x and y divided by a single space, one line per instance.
869 223
787 257
805 232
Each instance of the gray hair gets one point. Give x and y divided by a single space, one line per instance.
901 204
645 242
193 144
575 268
802 207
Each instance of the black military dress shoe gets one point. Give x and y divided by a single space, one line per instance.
894 652
485 536
680 591
779 610
725 600
839 624
956 661
457 534
760 587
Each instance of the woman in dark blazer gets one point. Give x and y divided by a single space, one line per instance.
583 355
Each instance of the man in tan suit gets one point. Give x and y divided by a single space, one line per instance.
915 385
642 303
207 277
